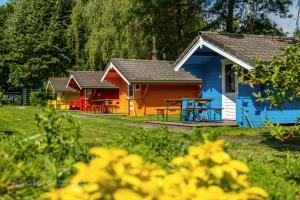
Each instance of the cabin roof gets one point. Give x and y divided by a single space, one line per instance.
59 84
134 70
243 47
90 79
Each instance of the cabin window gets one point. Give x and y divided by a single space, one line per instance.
131 91
137 87
230 79
88 93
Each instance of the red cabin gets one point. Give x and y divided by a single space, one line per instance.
94 94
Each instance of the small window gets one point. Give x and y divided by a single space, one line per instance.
230 81
137 87
131 91
88 93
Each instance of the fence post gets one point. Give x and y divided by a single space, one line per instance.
24 96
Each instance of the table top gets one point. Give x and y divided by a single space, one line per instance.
195 99
102 100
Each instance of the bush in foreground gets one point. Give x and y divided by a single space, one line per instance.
31 164
206 172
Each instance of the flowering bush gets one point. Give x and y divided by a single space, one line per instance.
206 172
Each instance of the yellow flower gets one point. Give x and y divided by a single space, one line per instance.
126 194
256 193
119 169
132 180
198 175
239 166
217 172
220 157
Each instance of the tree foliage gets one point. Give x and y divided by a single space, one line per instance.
49 38
5 12
37 41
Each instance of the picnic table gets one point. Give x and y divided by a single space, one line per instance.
198 105
171 103
102 105
67 104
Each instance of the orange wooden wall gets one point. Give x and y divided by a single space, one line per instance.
158 93
151 95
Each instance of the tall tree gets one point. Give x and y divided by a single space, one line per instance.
37 41
132 29
103 29
5 11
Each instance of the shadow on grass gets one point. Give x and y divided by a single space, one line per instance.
293 144
4 132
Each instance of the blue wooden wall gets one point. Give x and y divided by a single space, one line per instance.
209 72
251 112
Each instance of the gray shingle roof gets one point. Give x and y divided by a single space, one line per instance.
59 84
91 79
245 47
151 71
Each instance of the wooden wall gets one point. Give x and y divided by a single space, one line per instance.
151 95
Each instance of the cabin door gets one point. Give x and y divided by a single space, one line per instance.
229 91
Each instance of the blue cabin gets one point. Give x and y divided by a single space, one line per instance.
211 57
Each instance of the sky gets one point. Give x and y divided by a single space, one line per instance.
288 25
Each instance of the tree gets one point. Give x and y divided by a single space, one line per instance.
5 11
132 29
104 29
37 41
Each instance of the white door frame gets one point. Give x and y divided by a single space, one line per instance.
228 96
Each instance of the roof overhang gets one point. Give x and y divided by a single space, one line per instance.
72 77
200 43
166 81
112 66
49 84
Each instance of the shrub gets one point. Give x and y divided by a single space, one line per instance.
1 97
207 172
276 181
157 145
30 164
39 98
281 133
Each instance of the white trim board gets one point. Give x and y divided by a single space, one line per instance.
228 99
72 77
49 83
112 66
200 43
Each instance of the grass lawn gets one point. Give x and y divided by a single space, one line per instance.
274 165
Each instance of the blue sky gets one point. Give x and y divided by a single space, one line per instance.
288 25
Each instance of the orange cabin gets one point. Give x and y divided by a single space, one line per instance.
145 85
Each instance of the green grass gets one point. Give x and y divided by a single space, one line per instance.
268 159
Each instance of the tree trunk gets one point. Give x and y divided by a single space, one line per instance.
179 25
229 19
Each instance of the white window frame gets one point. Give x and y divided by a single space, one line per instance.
226 62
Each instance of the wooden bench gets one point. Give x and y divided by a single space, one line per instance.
204 113
163 111
218 111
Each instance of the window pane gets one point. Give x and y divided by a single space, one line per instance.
229 79
130 91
